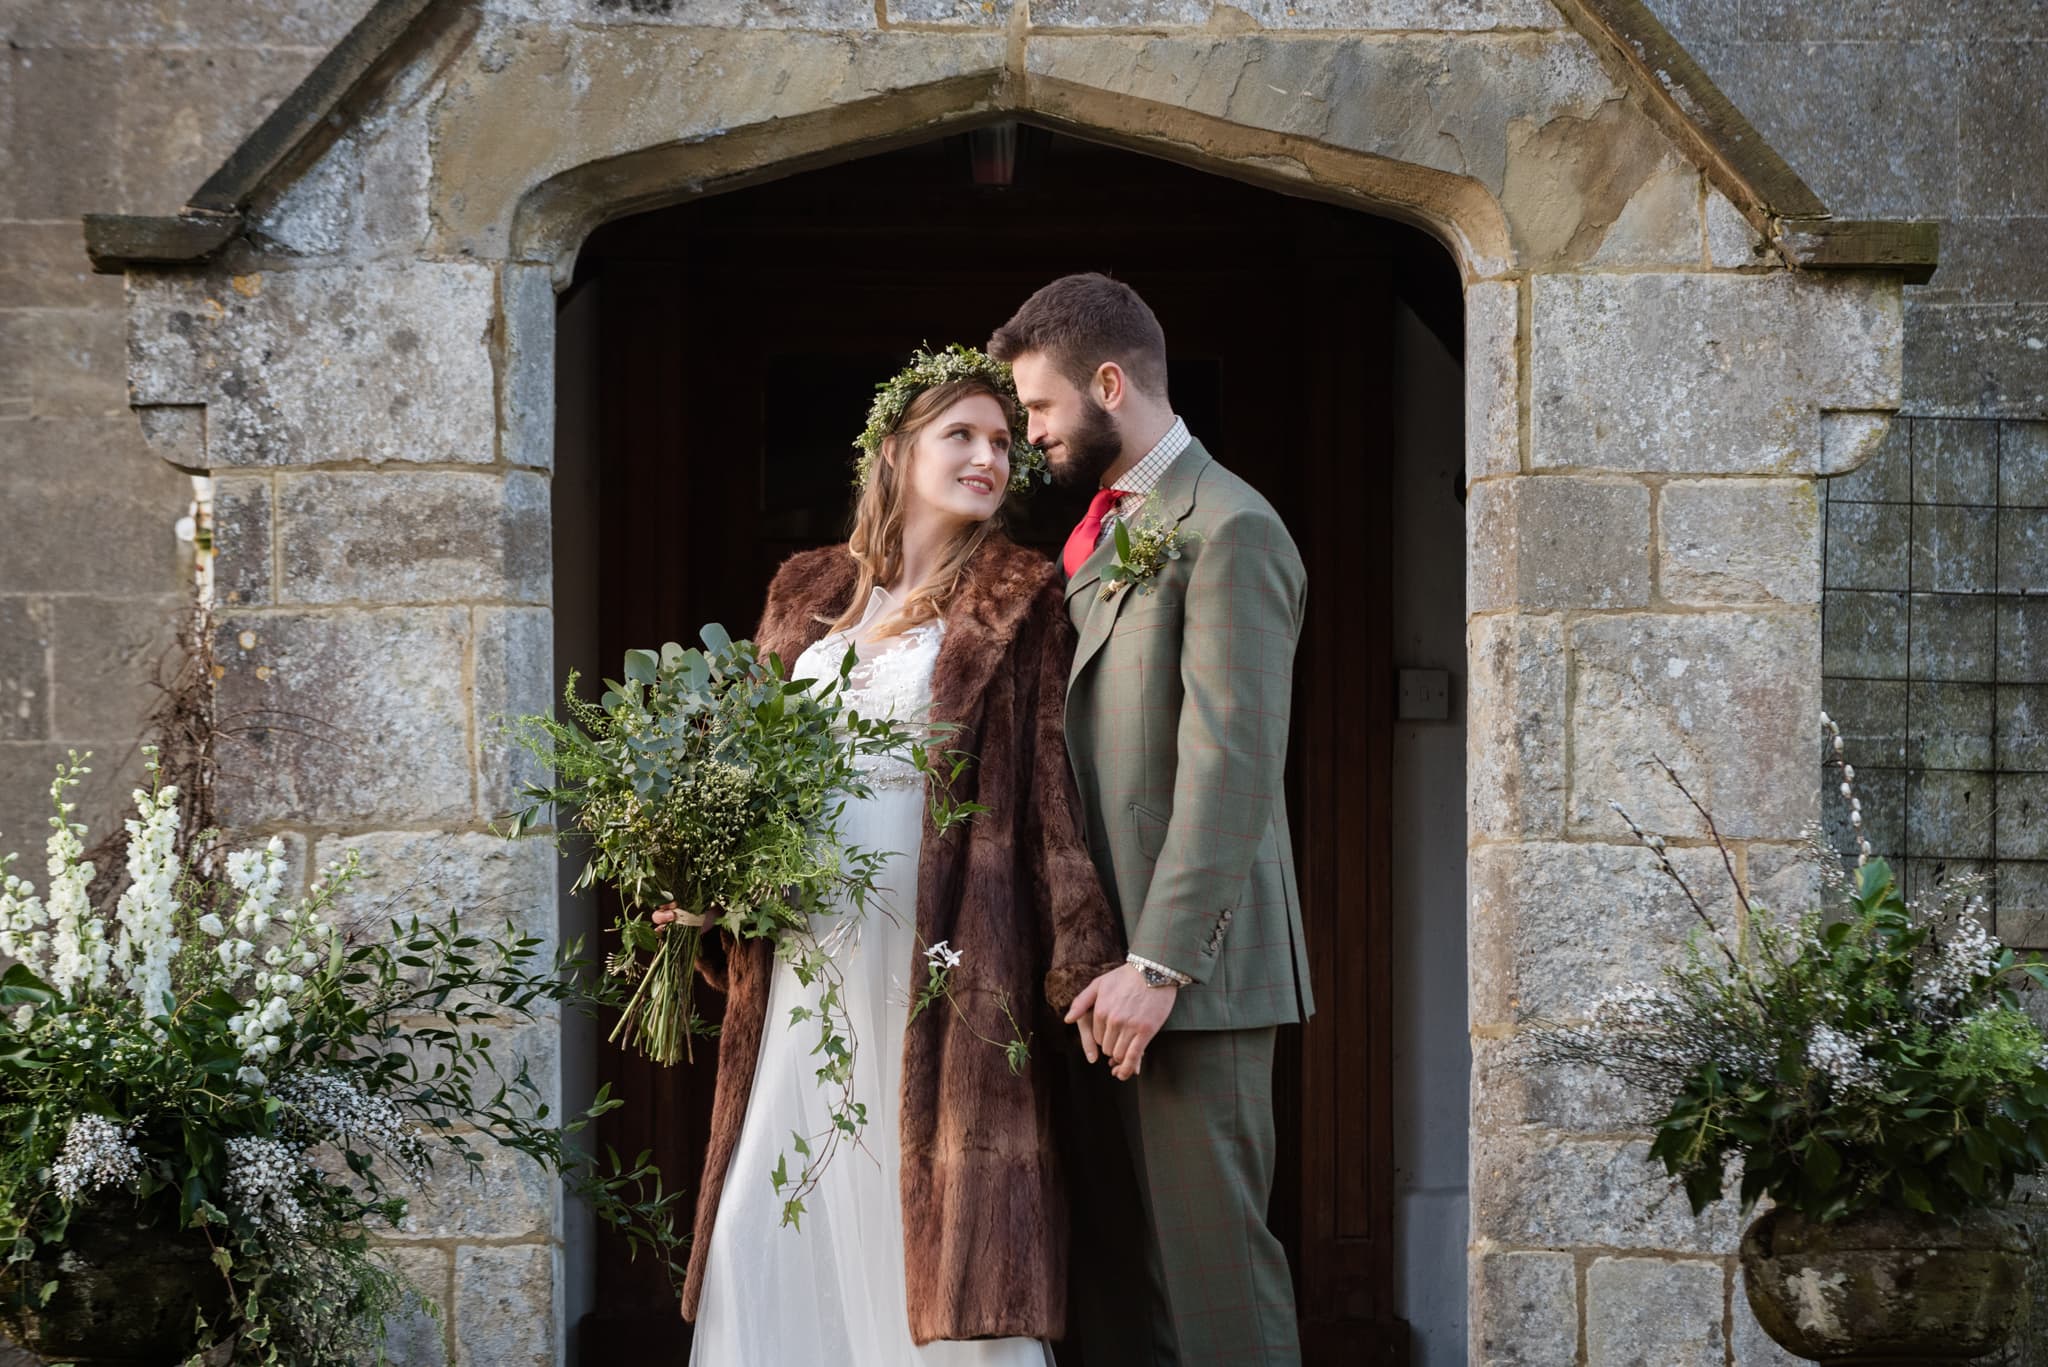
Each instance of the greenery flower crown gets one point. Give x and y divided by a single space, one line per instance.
929 368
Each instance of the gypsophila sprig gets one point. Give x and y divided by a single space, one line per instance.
707 780
1143 549
213 1054
1873 1058
929 368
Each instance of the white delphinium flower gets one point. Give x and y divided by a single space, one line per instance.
24 921
213 925
258 875
148 909
263 1177
1843 1060
943 955
333 1107
96 1153
79 951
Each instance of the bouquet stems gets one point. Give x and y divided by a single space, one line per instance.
659 1017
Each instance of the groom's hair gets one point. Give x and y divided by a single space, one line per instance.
1080 321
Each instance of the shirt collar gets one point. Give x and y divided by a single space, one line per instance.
1143 477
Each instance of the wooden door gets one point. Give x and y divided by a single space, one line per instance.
739 342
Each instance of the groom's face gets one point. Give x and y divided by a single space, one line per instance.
1079 436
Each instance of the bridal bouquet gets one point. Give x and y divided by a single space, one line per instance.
708 779
210 1074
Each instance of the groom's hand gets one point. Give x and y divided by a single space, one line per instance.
1118 1014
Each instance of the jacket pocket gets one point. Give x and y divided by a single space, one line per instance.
1151 828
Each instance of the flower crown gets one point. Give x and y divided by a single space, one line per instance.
929 368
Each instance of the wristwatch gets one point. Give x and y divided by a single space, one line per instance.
1157 975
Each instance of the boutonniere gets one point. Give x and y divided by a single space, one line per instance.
1142 550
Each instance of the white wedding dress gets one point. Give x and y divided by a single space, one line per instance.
831 1294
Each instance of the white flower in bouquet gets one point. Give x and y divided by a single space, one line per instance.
264 1177
79 952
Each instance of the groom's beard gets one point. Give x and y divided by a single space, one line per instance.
1090 450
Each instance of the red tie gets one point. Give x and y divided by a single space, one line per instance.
1082 543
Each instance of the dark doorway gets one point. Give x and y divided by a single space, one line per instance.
717 359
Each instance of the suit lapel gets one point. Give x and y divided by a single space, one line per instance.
1174 497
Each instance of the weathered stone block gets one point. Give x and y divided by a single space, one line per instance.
345 716
66 363
1543 544
1515 746
508 1196
602 91
243 524
2023 550
1524 1309
1867 546
504 1306
1998 94
1955 461
526 305
514 677
974 13
1732 242
1739 541
1554 925
1872 715
102 795
1659 225
1866 635
2022 727
1977 359
1955 549
1949 814
412 537
2022 625
2023 464
89 509
1710 374
67 162
1538 1190
44 266
485 878
1886 476
389 363
365 197
182 109
2022 823
310 25
767 14
1685 1328
415 1336
1360 15
24 669
1493 415
1509 1091
105 656
1730 700
2002 258
1950 725
1954 637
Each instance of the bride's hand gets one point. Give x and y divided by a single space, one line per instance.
668 913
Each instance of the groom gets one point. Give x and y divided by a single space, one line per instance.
1177 728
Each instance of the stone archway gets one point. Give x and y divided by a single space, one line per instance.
352 333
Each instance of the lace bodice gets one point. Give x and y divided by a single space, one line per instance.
893 678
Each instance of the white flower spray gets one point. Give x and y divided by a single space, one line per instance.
96 1153
79 952
148 910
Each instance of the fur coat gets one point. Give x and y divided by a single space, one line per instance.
984 1205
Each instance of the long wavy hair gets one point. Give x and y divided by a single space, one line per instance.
877 538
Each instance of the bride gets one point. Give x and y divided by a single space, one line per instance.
941 1238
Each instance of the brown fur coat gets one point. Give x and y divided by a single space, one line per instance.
984 1206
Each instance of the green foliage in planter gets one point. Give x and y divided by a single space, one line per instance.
1875 1058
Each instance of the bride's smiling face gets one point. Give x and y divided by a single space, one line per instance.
960 461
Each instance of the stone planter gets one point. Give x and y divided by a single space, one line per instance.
128 1293
1887 1287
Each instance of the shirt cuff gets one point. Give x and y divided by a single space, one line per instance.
1180 979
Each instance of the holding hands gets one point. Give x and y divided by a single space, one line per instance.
1118 1014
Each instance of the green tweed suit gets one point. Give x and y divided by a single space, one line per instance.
1177 711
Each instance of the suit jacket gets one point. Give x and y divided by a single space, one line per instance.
1177 708
984 1200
